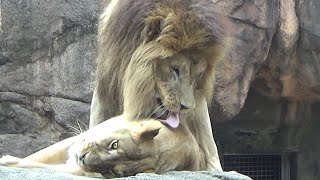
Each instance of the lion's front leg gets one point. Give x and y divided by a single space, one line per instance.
97 111
201 129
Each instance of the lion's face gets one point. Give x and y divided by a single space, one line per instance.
171 83
177 79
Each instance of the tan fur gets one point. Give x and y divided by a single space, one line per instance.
142 146
139 44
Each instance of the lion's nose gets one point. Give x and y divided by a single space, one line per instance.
183 107
186 106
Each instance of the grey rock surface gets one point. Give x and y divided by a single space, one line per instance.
292 69
47 52
252 27
43 174
20 145
47 55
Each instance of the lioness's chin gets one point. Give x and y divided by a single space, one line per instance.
107 172
109 175
117 172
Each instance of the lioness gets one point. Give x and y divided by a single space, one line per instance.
157 59
117 148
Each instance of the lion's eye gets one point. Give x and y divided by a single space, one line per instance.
175 71
113 145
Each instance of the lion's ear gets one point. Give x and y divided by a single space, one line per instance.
152 29
146 130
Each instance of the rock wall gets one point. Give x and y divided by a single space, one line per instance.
280 109
47 52
252 27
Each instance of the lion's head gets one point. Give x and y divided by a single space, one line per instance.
119 148
157 57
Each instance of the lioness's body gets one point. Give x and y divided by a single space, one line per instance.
142 146
156 57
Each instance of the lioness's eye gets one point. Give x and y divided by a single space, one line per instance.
113 145
175 71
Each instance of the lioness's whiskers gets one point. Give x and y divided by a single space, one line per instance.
80 129
74 131
83 124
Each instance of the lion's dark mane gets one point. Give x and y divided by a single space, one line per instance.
133 23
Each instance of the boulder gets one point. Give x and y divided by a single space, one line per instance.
44 174
292 69
252 25
47 52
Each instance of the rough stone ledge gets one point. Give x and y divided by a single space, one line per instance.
45 174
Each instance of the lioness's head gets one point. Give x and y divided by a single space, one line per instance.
120 148
161 56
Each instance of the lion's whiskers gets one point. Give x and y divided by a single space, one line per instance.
165 110
155 110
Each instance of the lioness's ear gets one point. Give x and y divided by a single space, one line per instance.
146 130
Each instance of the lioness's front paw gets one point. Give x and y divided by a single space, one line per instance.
7 160
11 161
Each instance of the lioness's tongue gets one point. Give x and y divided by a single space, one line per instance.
172 120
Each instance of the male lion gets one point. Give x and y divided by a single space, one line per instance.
117 148
156 59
